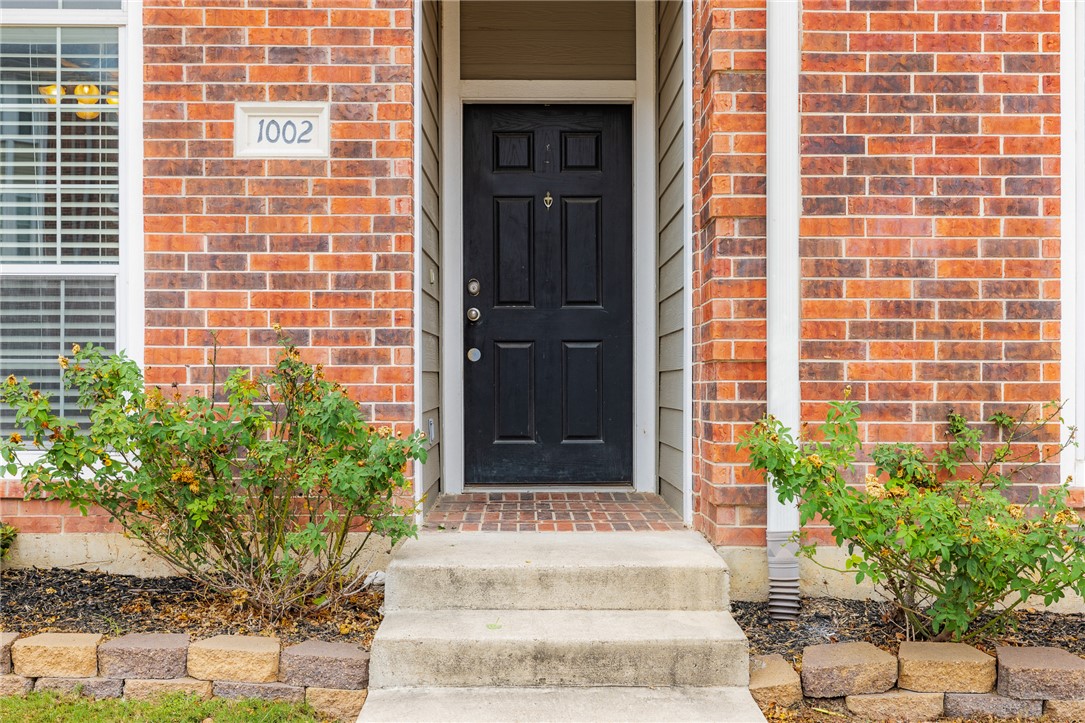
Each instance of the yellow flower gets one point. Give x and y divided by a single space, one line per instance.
62 361
1016 511
815 460
11 380
75 349
847 392
142 505
16 438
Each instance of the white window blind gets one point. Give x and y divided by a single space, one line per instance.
59 198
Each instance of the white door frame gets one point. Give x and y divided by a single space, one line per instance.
640 94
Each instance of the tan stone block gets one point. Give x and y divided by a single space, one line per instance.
839 669
897 705
6 639
945 668
56 655
344 705
1065 710
135 689
15 685
773 680
970 706
237 658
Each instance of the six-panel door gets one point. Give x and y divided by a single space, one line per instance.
548 368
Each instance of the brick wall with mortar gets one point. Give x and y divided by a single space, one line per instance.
929 236
322 247
930 184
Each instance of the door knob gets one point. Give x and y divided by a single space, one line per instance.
473 314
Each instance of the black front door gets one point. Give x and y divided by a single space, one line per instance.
548 304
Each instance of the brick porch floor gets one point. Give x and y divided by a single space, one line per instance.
552 512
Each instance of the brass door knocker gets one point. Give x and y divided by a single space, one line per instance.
548 200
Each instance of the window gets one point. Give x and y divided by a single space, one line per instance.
62 276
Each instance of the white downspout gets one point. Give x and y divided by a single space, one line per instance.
783 202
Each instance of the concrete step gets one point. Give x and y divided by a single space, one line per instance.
558 647
575 705
556 571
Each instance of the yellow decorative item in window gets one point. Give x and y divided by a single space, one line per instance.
113 97
87 94
52 93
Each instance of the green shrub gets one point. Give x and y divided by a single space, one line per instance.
935 531
8 533
251 490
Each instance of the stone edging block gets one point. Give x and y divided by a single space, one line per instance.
841 669
343 705
945 668
773 680
89 687
235 658
897 705
325 665
972 705
149 689
262 691
56 655
1040 673
144 656
6 639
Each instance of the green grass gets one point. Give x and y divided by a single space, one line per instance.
52 708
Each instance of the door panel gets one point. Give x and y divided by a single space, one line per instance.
548 238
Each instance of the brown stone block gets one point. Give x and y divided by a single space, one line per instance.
1038 673
241 658
841 669
897 705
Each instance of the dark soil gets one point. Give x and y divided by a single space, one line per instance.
829 620
56 600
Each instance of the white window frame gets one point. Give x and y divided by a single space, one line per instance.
129 269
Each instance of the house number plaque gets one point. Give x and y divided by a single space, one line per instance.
281 130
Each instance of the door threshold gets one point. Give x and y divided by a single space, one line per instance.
528 488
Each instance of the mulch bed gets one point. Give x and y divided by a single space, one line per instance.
829 620
78 601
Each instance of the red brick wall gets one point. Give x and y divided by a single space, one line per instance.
729 264
322 247
930 249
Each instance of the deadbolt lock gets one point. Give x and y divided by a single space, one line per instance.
473 287
473 314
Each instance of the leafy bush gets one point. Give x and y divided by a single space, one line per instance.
936 531
253 495
8 533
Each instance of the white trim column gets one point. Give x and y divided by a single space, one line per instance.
784 206
1073 231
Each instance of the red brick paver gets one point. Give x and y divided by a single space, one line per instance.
552 512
